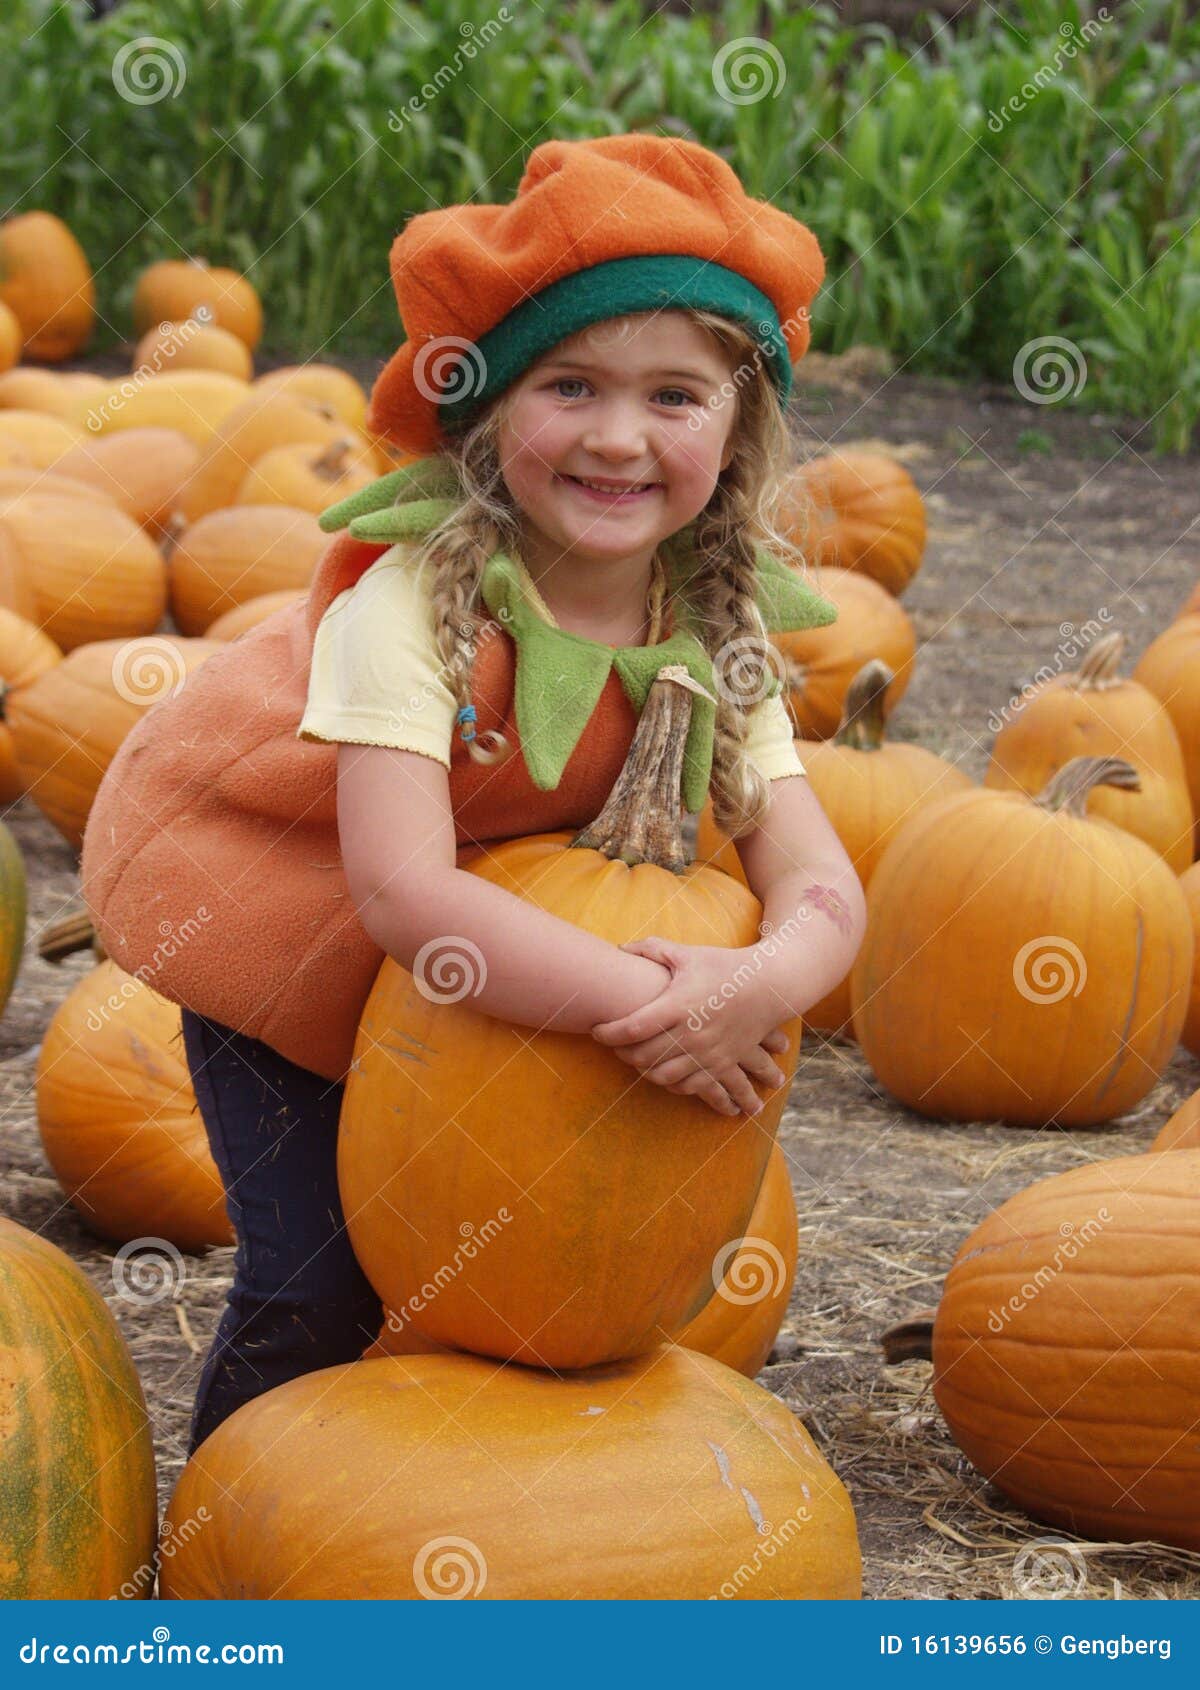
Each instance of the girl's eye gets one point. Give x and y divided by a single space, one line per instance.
568 381
688 398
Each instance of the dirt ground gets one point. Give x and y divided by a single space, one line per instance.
1025 546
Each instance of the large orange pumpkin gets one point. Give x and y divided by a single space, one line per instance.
46 281
741 1320
264 420
1170 667
582 1225
42 438
307 477
117 1113
1182 1131
60 393
140 469
820 663
231 556
94 572
68 724
668 1477
25 653
1023 961
860 509
1095 712
171 290
77 1499
1066 1349
868 787
323 383
193 346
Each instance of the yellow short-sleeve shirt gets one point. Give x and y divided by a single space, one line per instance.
378 678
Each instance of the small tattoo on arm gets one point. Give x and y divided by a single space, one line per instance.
830 903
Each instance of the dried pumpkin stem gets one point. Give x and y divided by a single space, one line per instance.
1099 666
1068 789
642 819
68 934
331 464
862 713
909 1340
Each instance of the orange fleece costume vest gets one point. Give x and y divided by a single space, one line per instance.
211 865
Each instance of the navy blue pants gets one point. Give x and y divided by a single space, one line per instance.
299 1299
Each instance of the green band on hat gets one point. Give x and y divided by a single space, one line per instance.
621 285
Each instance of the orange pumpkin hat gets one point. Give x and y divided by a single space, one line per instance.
598 229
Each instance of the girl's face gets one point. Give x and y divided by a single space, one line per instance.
632 401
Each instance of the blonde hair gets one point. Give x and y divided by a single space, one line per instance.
751 501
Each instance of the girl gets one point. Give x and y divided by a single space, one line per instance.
596 376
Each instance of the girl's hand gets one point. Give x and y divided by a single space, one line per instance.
705 1035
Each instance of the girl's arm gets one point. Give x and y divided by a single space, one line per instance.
524 965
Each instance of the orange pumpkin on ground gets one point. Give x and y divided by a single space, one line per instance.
118 1117
46 282
77 1506
549 1274
264 420
860 509
191 345
739 1323
1023 961
16 595
306 477
11 338
326 385
94 573
243 617
668 1477
140 469
1095 712
67 724
820 663
25 653
1066 1349
1182 1131
172 290
25 478
59 393
232 556
1170 667
41 437
193 402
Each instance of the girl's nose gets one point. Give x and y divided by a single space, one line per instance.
620 430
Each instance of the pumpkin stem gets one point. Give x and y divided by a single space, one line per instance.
1099 666
1068 789
331 465
861 726
642 819
909 1340
68 934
